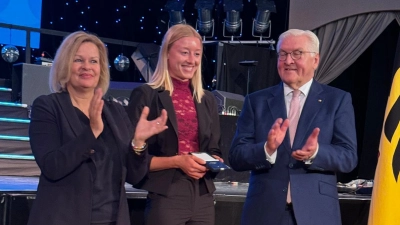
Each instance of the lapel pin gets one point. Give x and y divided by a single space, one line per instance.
319 100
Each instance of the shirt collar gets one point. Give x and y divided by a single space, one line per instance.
304 89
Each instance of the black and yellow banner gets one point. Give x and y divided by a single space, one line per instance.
385 203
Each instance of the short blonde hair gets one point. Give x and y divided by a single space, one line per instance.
313 39
161 77
60 71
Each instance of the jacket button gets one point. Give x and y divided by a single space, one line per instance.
290 165
92 151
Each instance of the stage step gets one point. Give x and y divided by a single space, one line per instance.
18 167
15 147
5 94
15 138
15 151
14 127
14 110
16 157
5 82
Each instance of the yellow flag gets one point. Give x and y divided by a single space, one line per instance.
385 202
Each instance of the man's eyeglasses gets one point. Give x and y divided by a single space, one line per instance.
295 55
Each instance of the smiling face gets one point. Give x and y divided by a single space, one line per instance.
184 57
85 69
295 73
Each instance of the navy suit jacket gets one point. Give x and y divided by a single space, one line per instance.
313 187
166 143
63 148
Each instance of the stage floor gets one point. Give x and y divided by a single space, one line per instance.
226 191
18 193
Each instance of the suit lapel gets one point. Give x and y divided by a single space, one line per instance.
69 112
277 102
202 119
278 109
166 102
313 104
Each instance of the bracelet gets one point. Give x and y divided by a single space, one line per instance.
138 150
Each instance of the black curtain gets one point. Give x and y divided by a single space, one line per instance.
382 69
369 80
234 77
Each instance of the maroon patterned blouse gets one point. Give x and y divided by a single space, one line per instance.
186 116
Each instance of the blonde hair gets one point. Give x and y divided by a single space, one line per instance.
313 39
161 77
60 71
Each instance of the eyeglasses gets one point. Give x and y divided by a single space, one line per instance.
295 55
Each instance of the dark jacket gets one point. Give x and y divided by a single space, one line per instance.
63 148
166 143
313 187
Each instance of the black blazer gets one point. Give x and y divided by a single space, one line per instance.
313 187
63 150
166 143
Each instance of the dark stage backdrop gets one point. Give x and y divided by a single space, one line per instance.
369 80
241 79
137 21
142 22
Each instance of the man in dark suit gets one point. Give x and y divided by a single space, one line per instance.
294 137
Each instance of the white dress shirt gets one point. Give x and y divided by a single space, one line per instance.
288 92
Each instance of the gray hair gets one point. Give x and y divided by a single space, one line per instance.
313 43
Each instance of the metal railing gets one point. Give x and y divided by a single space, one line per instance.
57 33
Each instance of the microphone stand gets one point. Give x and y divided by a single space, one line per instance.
248 64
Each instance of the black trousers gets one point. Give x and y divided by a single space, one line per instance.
183 206
288 217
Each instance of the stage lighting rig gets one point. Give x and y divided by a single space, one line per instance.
175 11
233 22
205 22
262 23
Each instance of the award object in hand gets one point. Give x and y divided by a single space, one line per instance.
212 163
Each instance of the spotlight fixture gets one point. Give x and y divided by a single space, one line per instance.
175 17
205 23
233 22
261 23
175 10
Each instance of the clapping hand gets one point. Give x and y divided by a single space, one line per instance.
309 148
95 109
276 135
145 128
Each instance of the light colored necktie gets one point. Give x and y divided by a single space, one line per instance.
294 115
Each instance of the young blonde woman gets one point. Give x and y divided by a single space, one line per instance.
179 185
